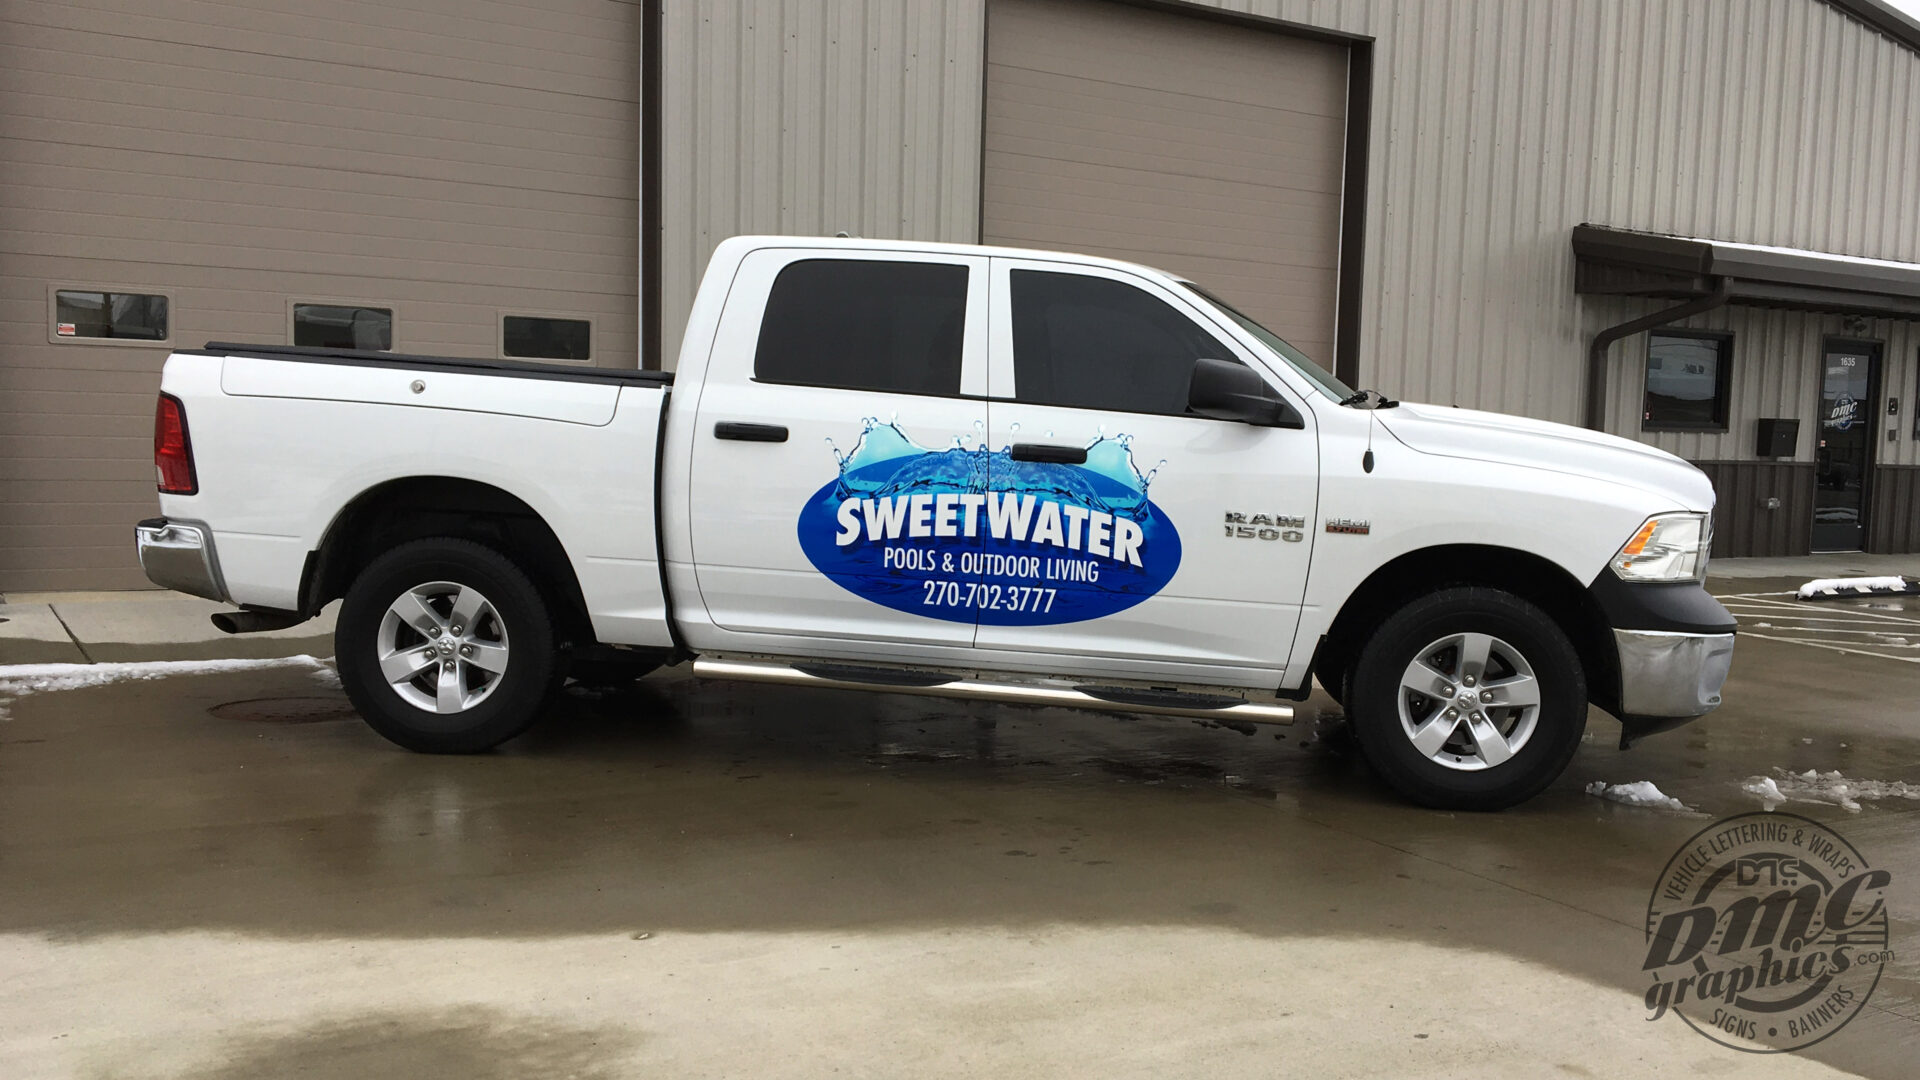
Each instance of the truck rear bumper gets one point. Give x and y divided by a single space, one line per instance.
179 555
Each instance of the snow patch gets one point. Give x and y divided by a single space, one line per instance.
1824 787
22 680
1638 793
1836 586
1764 789
326 675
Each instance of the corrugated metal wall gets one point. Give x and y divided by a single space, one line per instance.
1498 125
1776 372
812 117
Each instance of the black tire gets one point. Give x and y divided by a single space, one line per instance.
513 697
1375 694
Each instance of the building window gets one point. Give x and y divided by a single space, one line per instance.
342 326
105 316
1094 343
546 337
892 327
1688 380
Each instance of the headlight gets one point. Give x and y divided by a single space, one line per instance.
1669 547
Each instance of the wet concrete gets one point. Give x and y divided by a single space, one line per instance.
227 875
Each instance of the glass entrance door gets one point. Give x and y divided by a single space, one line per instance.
1844 450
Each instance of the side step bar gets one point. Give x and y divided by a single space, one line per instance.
1108 698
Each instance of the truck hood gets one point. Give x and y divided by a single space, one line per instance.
1540 444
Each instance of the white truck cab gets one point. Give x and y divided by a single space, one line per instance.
955 470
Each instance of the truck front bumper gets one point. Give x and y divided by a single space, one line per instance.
1671 675
1674 643
179 555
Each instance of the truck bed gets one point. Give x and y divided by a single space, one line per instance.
289 440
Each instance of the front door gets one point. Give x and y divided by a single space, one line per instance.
1849 376
833 492
1133 538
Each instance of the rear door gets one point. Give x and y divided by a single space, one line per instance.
836 473
1165 542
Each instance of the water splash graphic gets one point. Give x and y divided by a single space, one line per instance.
1095 543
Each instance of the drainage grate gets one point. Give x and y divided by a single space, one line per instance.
285 710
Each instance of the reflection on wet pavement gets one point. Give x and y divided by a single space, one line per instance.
803 819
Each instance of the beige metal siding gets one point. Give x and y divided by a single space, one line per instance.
1201 147
1497 126
814 117
447 158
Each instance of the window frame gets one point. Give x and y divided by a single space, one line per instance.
1004 384
501 315
54 290
389 306
1722 382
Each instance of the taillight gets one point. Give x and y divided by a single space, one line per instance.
172 453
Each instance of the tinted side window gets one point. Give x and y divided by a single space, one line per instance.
340 326
1687 382
138 316
543 338
1094 343
895 327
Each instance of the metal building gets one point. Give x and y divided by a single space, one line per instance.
1693 222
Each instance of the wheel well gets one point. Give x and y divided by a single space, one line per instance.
1521 573
419 507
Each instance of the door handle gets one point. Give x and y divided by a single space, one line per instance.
743 432
1049 453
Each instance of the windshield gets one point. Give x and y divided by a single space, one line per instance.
1327 384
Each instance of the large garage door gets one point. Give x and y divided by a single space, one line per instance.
432 175
1209 149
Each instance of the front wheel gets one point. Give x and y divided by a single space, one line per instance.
1469 699
445 647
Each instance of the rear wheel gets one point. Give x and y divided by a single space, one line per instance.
445 647
1468 699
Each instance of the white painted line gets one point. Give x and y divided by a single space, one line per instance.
1833 648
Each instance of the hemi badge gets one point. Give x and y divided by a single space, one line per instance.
1349 525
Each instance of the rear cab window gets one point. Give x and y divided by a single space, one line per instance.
853 324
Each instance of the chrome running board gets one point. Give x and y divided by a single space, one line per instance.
920 682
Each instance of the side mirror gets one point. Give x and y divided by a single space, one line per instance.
1225 390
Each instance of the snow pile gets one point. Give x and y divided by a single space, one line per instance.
1764 789
1823 587
1638 793
21 680
1824 787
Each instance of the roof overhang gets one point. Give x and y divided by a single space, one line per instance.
1625 262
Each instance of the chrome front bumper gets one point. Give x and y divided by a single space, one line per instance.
178 555
1665 674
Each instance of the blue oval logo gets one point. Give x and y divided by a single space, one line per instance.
971 535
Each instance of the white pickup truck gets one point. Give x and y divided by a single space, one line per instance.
951 470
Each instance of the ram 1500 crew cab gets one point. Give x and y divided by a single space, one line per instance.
941 469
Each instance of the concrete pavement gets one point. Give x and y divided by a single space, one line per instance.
228 876
102 627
